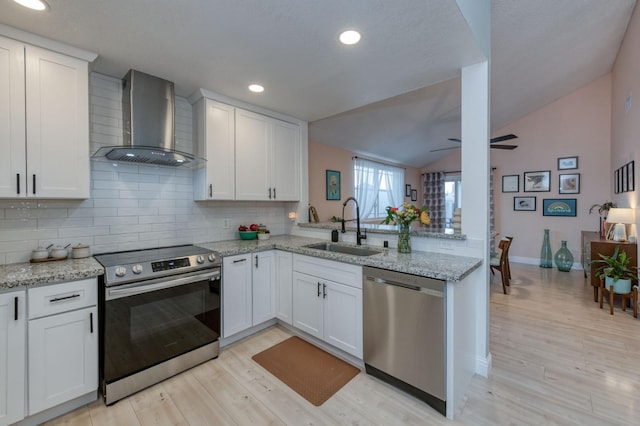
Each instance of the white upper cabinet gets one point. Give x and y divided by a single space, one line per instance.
249 156
47 94
214 126
267 158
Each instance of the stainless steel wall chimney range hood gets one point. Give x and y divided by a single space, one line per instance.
148 112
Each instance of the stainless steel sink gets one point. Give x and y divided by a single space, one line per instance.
338 248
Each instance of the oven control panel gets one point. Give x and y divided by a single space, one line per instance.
167 265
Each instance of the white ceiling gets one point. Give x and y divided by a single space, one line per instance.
541 50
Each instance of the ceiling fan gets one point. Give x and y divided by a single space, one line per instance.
491 141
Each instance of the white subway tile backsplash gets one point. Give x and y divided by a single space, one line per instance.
116 220
84 231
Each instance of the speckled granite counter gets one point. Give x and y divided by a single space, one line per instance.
383 229
429 264
27 274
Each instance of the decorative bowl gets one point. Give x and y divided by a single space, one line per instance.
248 235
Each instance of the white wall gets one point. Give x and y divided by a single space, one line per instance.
131 206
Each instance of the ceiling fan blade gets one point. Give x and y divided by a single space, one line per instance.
503 138
504 146
444 149
455 140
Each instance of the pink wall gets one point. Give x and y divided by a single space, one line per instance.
323 158
575 125
625 125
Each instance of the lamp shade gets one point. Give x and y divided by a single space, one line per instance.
620 215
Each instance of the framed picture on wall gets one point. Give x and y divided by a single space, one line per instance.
569 183
414 195
525 204
616 184
559 207
511 183
631 176
567 163
625 186
407 190
333 185
537 181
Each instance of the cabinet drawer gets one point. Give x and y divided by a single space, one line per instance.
329 270
57 298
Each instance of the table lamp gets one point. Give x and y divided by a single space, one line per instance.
620 217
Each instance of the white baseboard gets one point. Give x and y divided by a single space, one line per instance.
483 365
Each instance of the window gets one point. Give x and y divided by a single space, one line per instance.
452 198
377 186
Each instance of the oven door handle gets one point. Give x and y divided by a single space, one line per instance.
156 284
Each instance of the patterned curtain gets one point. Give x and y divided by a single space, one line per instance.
492 222
434 200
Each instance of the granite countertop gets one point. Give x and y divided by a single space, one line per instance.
378 228
28 274
429 264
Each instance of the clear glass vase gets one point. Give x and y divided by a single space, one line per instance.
563 258
404 239
545 251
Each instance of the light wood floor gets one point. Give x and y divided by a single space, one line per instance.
557 360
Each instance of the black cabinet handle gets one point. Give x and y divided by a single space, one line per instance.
324 291
274 193
58 299
318 288
256 260
15 308
34 183
91 322
18 181
210 190
269 193
239 260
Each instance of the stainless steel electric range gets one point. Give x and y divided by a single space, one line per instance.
159 315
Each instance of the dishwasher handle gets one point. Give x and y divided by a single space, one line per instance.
406 286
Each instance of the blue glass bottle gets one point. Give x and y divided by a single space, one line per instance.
545 252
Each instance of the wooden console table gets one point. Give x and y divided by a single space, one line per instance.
593 244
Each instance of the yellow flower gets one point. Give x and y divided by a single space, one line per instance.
424 218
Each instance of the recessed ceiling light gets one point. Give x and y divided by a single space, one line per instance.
256 88
349 37
33 4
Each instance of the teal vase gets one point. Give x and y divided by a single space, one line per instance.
404 239
563 258
545 252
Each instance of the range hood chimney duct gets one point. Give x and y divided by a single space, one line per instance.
148 121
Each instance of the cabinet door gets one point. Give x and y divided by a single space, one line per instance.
215 141
264 286
343 317
57 105
12 356
236 294
307 304
252 156
284 286
285 170
12 134
63 358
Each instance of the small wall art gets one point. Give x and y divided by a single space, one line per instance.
511 183
407 190
559 207
537 181
569 183
526 204
414 195
567 163
333 185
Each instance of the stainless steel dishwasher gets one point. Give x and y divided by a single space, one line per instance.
404 333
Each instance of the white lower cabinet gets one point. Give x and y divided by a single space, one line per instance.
12 356
249 291
63 343
327 301
284 286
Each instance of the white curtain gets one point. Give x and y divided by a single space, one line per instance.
377 185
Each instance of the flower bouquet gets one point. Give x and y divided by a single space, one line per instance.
404 216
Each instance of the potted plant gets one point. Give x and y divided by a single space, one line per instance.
615 271
603 211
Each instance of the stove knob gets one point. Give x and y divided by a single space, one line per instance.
212 257
200 259
137 268
121 271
